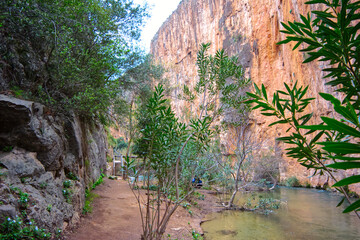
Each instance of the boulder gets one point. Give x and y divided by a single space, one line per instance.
23 124
7 211
21 163
15 114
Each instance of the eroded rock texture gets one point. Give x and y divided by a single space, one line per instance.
38 152
248 29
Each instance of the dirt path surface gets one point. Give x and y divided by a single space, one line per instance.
116 215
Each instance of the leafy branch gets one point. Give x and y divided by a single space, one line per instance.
289 108
333 144
331 36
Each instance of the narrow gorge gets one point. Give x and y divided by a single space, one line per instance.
101 139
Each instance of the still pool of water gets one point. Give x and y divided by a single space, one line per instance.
307 214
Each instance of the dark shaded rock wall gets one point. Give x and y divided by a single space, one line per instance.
38 152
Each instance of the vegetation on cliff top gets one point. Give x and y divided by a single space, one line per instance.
68 54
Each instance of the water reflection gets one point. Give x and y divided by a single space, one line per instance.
305 214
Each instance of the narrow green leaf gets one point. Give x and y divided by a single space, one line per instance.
345 158
316 1
283 41
347 181
303 92
256 107
311 58
287 27
316 127
282 92
258 92
344 165
268 114
284 138
253 95
341 147
352 207
306 118
278 122
297 45
341 127
296 28
341 202
287 88
311 42
264 91
308 49
355 29
347 113
353 116
316 138
306 21
279 107
330 98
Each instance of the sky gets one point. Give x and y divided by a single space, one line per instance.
159 12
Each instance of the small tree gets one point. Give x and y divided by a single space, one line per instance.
245 144
137 86
224 89
267 166
242 144
165 138
165 142
120 144
137 89
333 144
247 163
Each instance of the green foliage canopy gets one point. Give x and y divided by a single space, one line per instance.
69 53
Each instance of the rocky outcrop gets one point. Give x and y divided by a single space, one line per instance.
39 151
249 30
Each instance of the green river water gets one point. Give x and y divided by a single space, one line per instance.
307 214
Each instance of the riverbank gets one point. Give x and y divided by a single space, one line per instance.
116 215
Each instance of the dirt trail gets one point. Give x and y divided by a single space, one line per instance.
116 216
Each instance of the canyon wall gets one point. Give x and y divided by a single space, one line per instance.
250 30
46 163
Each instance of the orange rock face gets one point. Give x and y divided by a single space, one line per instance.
250 30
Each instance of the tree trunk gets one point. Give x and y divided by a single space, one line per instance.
230 204
231 201
130 138
274 181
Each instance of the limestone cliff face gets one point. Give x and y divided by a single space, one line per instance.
39 151
250 30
